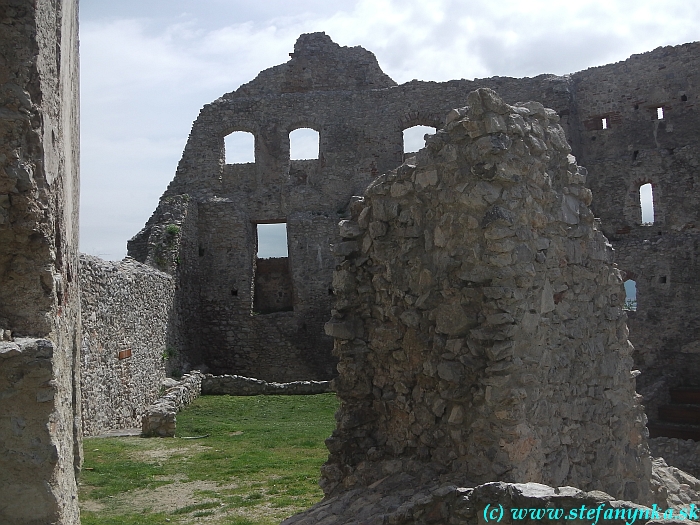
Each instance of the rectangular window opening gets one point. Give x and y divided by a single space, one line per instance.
605 123
660 113
646 202
272 279
630 296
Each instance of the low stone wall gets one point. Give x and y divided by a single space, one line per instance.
247 386
125 317
679 453
159 419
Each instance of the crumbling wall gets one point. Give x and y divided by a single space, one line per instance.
39 296
479 321
126 309
637 147
360 124
169 243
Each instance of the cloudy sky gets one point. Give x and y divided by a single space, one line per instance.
148 66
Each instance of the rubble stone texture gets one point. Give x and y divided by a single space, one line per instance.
159 419
247 386
39 292
479 321
126 314
683 454
360 114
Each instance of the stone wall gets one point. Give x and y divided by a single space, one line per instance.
638 148
479 321
160 419
683 454
248 386
39 296
272 286
126 310
360 126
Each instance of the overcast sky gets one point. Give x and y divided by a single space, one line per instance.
148 66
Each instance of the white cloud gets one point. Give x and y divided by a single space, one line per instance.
148 69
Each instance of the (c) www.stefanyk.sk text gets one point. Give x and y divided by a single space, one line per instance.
590 514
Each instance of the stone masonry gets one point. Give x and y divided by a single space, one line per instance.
631 123
39 290
479 321
360 114
126 309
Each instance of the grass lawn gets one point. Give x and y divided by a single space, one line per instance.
259 465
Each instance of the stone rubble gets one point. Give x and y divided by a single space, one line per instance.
680 453
479 321
400 499
160 418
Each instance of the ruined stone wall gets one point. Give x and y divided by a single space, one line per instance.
169 243
360 124
273 286
126 309
39 297
479 320
638 148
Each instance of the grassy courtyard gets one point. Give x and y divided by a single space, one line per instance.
258 464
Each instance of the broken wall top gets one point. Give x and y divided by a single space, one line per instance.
479 319
319 64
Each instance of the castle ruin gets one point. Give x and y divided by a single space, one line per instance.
216 303
630 124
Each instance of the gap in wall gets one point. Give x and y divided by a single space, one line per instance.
413 138
630 295
303 144
646 201
272 279
239 147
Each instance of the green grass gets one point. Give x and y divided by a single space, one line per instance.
259 464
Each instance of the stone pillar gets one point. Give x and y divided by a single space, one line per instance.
39 293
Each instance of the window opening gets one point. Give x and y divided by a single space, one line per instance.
303 144
272 280
414 138
660 113
605 123
272 240
630 295
239 147
646 201
684 98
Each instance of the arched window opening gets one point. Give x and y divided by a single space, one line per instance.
303 144
646 201
414 138
272 280
239 147
630 295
